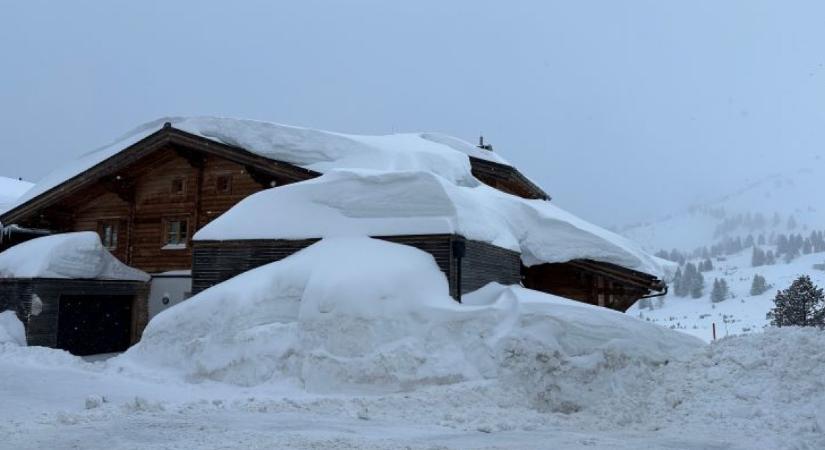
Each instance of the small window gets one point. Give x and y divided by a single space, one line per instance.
176 234
223 184
108 234
178 186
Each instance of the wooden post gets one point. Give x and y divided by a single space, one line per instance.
714 331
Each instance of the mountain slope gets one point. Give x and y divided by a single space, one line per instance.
786 203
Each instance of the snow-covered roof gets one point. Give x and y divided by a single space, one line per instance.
78 255
11 190
368 203
309 148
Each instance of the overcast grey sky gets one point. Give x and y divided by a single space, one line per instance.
618 108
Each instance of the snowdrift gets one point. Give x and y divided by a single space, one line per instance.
366 316
69 255
11 329
368 203
309 148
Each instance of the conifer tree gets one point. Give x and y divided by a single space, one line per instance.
759 286
757 257
697 285
720 290
802 304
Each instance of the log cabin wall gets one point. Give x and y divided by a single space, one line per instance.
569 281
217 261
482 263
172 185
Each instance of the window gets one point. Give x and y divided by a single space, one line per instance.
178 186
108 234
223 184
176 233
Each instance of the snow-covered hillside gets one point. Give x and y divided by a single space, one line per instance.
11 190
741 312
788 203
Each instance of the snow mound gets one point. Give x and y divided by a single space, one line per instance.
11 329
360 203
11 190
70 255
359 315
312 149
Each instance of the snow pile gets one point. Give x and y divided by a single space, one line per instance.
360 203
11 190
70 255
365 316
312 149
772 381
11 329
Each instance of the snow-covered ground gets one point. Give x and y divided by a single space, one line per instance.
305 353
742 312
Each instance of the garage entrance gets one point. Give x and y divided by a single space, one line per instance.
91 324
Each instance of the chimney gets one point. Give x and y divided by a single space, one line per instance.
483 146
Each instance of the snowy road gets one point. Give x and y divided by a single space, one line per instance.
45 398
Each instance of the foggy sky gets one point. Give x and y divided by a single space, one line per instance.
620 110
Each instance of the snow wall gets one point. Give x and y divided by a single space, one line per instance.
360 315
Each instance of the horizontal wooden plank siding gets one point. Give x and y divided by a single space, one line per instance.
484 263
217 261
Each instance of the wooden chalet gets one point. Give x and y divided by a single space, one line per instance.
147 201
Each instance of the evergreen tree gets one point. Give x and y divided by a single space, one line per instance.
708 265
761 240
759 286
791 223
720 290
802 304
807 247
757 257
678 284
770 259
782 245
697 285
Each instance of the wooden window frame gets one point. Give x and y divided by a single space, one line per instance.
101 227
225 176
165 224
182 191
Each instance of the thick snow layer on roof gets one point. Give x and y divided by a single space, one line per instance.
365 315
306 147
352 203
78 255
11 190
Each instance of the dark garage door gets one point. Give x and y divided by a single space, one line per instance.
91 324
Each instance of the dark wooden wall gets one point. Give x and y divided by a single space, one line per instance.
569 281
17 295
217 261
506 178
141 204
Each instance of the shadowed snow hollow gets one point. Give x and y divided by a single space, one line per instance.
364 315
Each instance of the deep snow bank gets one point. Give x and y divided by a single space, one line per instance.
11 329
362 203
68 255
363 315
